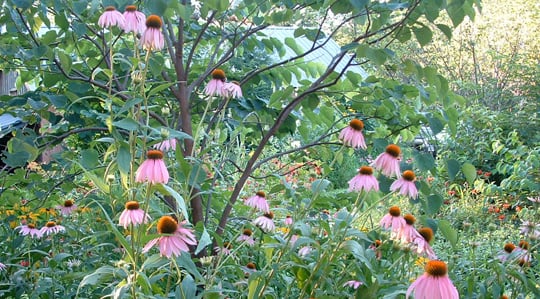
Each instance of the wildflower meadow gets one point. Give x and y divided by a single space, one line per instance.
266 149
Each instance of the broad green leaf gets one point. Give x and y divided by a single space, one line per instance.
89 158
254 286
446 30
185 261
359 4
452 166
469 171
434 203
123 158
448 232
423 34
319 186
105 273
179 199
204 241
424 160
160 87
128 124
187 289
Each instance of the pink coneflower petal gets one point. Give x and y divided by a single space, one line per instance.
364 180
405 185
133 215
352 135
258 201
153 169
152 38
388 162
134 20
433 284
111 17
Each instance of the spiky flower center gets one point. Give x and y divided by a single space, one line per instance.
427 233
269 215
410 219
167 225
154 154
393 150
524 244
408 175
509 247
131 8
251 266
366 170
218 74
132 205
31 226
50 224
377 243
110 8
357 124
227 245
68 203
247 232
260 193
153 21
436 268
394 211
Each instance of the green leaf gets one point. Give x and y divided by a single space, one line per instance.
424 160
23 4
448 232
184 260
204 241
187 289
319 186
65 61
455 11
179 199
105 273
359 4
423 34
434 203
89 158
128 124
452 166
123 158
469 171
446 30
159 88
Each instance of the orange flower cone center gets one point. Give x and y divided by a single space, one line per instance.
154 155
393 150
410 219
427 233
247 232
394 211
269 215
131 8
68 203
251 266
218 74
260 193
509 247
366 170
132 205
50 224
110 8
357 124
167 225
31 226
436 268
408 175
153 21
524 244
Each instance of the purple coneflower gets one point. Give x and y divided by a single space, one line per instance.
153 169
216 84
67 208
304 251
265 222
393 221
288 220
422 243
175 241
29 230
152 38
355 284
166 145
132 214
225 249
388 162
405 185
352 135
258 201
246 237
2 267
232 90
364 180
134 20
408 233
434 283
51 228
534 199
506 252
111 17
